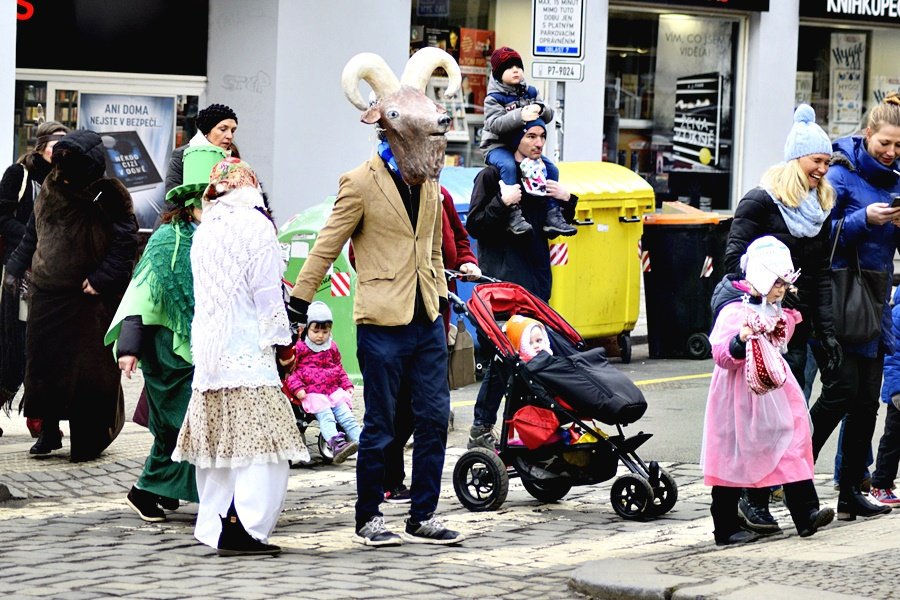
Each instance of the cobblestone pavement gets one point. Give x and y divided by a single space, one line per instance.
66 533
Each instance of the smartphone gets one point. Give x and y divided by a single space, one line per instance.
895 203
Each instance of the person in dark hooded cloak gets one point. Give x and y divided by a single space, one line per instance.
80 243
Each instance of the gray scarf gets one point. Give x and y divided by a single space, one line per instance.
806 220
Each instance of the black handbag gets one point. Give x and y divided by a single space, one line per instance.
857 299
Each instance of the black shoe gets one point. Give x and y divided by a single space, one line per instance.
817 520
168 503
852 504
144 504
46 442
374 533
430 532
398 495
235 541
741 537
757 518
555 224
517 223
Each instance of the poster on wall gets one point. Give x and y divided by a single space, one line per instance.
686 47
884 85
138 135
848 57
475 48
803 88
698 112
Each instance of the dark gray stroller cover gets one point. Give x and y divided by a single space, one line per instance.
590 385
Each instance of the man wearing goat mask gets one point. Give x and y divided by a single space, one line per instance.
390 208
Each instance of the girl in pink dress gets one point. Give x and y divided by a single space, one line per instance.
756 432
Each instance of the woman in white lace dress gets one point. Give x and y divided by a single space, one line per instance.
239 430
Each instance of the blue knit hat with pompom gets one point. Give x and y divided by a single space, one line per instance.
806 137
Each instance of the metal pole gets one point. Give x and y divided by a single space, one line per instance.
560 129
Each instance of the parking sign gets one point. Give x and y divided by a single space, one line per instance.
558 28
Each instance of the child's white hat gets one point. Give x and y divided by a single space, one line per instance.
318 312
766 261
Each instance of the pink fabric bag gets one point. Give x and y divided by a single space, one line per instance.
765 366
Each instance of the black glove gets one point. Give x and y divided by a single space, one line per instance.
833 353
296 310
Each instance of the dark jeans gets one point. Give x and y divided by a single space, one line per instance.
387 356
394 468
852 390
888 451
489 397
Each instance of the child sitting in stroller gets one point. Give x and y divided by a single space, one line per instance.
320 385
528 336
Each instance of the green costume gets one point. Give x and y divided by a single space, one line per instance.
162 294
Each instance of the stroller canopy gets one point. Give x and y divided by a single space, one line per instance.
491 302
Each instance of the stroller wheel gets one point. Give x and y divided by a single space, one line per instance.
631 495
324 451
480 480
547 491
665 495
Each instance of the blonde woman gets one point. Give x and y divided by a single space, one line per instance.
793 203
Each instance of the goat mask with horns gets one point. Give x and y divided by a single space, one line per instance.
413 123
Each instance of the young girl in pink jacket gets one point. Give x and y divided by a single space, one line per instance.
756 432
321 386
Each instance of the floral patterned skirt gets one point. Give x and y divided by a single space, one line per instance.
238 427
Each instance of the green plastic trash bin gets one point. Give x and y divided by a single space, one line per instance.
337 290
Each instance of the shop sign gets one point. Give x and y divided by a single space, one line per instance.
754 5
558 28
24 10
879 11
560 70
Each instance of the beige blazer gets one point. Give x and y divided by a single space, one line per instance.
390 257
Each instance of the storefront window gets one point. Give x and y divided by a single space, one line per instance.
844 72
461 27
31 100
670 102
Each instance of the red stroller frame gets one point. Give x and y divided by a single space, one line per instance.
481 476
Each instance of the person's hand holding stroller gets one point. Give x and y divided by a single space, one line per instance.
470 270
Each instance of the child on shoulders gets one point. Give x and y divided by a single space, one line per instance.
509 104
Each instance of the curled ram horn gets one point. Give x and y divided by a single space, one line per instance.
422 64
372 69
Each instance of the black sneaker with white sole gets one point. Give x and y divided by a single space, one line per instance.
375 533
430 532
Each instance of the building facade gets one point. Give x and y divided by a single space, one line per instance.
694 95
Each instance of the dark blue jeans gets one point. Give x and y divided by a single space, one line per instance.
416 354
888 451
490 394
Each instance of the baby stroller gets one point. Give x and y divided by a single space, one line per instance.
550 467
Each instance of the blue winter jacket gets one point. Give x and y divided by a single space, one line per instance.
891 383
860 180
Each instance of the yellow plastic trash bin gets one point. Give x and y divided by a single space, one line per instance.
597 272
337 290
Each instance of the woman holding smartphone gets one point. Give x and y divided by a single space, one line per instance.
866 180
